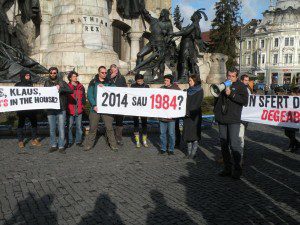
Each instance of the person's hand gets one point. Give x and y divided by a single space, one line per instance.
95 108
101 85
228 91
58 87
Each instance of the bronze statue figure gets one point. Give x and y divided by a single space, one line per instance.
190 46
160 45
130 9
12 57
13 61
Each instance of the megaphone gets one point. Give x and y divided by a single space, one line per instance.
216 89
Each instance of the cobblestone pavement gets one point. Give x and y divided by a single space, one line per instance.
141 187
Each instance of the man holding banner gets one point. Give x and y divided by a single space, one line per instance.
167 125
57 114
99 81
25 78
228 110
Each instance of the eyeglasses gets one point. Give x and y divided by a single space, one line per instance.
103 72
53 73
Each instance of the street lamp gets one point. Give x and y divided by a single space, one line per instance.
241 42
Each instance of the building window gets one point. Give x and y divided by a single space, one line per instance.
248 45
275 58
276 42
288 58
263 58
289 41
287 78
262 43
248 60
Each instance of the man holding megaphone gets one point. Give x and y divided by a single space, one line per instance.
231 96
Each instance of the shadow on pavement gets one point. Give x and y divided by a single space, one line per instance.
267 193
104 213
164 214
34 210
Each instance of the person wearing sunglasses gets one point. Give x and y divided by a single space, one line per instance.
101 81
57 115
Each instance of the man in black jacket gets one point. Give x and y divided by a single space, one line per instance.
228 110
58 115
118 80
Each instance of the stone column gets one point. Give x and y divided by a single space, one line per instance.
44 32
135 47
127 50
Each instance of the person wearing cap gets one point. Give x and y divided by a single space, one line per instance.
58 115
25 81
118 80
167 126
139 83
76 102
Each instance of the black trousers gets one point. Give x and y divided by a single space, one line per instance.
231 139
136 121
291 134
32 116
119 120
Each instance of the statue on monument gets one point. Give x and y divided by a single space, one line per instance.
190 46
130 9
12 57
160 45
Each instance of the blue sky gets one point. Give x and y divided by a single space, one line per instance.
251 9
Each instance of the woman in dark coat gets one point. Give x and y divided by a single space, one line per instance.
25 78
193 118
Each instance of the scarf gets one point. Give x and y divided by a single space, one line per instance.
193 90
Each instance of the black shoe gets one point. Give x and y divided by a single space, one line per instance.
52 149
171 153
79 145
69 145
62 150
162 152
225 173
236 174
121 143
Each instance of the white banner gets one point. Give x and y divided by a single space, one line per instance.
145 102
27 98
274 110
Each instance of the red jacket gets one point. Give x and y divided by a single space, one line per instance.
79 95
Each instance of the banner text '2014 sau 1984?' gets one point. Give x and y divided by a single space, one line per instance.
274 110
144 102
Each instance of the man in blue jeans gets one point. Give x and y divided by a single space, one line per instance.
57 115
167 126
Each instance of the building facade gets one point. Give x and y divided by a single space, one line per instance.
271 46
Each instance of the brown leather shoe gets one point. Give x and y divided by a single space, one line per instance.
21 144
36 142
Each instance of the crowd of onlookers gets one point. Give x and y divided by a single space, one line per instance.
227 109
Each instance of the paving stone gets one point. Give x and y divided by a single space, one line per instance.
138 186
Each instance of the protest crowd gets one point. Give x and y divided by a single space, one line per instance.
73 98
